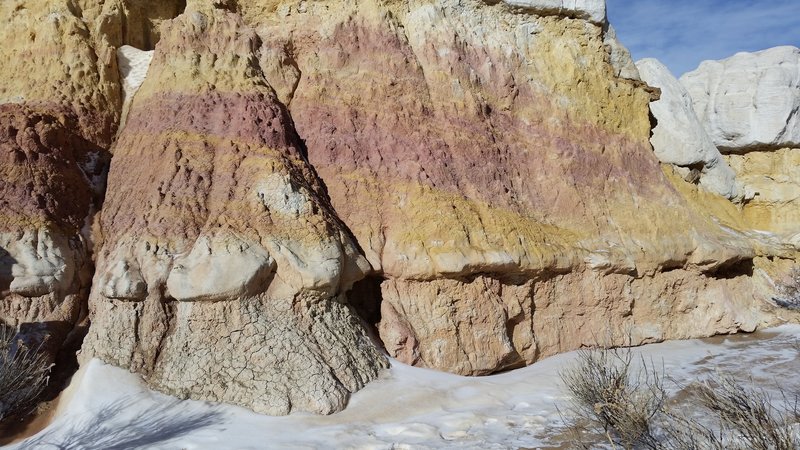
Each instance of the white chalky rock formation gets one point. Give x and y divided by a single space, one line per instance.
679 138
621 60
591 10
750 100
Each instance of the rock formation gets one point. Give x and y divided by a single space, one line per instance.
591 10
223 267
772 180
749 101
749 105
680 139
58 113
440 147
473 180
621 60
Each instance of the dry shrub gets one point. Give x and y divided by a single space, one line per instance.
751 416
612 397
629 408
24 373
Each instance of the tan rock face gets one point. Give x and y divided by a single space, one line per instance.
223 267
517 322
772 182
453 155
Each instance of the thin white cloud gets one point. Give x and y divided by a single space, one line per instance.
682 33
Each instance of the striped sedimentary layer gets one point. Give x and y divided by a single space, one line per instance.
474 177
46 192
58 96
483 157
223 268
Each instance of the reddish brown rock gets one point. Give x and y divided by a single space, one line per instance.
46 195
58 113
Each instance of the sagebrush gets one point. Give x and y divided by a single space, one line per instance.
24 374
626 405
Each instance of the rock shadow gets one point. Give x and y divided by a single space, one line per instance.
106 431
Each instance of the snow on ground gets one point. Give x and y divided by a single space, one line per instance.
109 408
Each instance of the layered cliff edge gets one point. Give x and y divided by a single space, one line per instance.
238 194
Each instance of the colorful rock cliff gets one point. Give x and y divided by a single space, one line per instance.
223 267
58 114
749 105
296 186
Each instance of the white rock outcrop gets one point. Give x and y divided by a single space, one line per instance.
36 262
750 100
680 138
621 60
591 10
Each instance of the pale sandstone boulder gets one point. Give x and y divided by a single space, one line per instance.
223 268
679 138
750 100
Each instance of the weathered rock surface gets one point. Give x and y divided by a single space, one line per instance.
46 196
680 139
591 10
475 177
749 101
621 59
135 23
222 268
440 324
58 97
772 181
439 148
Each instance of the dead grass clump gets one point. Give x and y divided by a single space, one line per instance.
24 373
750 416
628 407
614 398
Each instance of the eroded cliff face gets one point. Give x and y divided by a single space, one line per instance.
679 137
58 113
223 267
469 168
473 179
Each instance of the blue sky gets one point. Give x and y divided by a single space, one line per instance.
682 33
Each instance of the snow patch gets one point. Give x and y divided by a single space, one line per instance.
407 408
